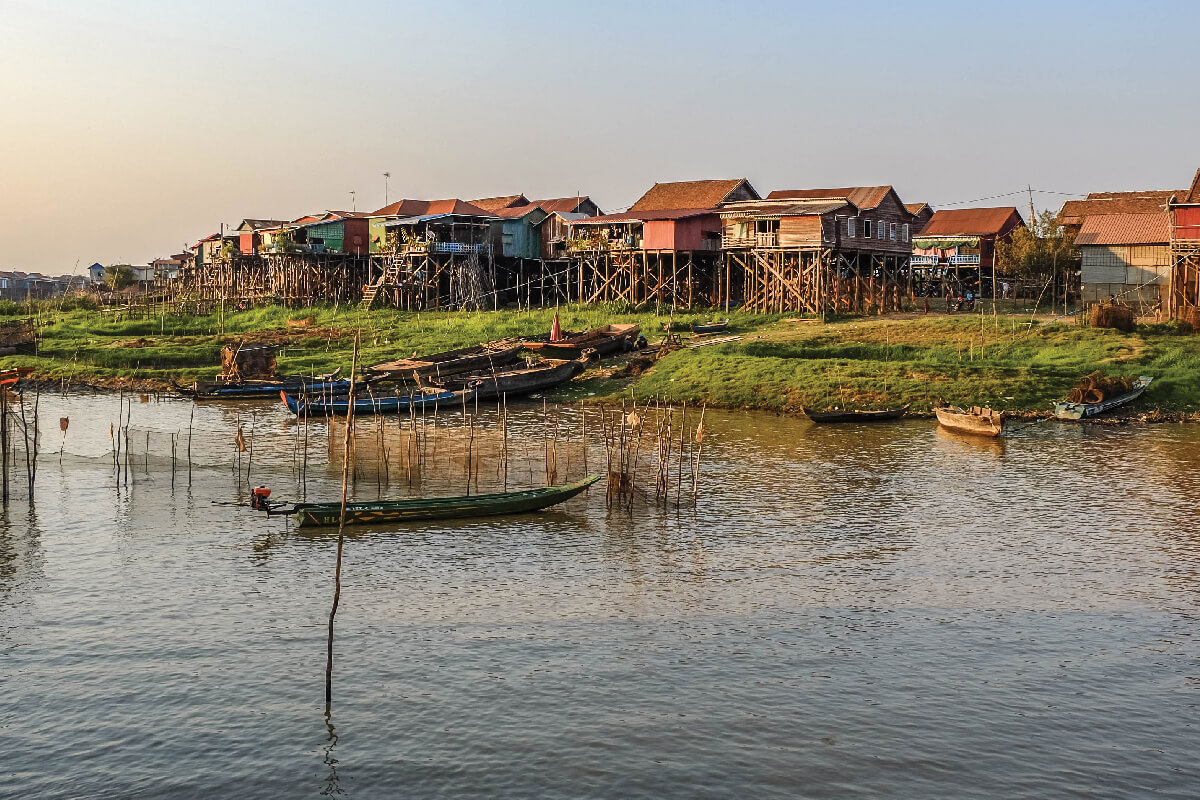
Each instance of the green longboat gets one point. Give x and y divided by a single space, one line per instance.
462 507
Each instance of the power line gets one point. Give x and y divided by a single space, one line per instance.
1007 194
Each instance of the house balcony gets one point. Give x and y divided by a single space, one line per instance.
923 261
754 240
969 260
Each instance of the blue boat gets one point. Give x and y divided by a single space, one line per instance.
372 404
250 390
1076 411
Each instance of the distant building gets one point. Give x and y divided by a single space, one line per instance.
921 214
250 234
1183 296
96 273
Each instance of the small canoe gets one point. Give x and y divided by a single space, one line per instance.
514 382
372 403
462 507
975 420
605 341
854 415
1075 411
8 377
451 362
249 390
711 327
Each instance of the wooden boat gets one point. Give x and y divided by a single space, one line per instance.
451 362
372 403
249 390
711 327
513 382
1066 410
8 377
463 507
975 420
605 341
854 414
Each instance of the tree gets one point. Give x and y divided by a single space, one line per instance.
118 276
1039 251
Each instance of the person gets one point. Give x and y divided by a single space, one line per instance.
1004 289
642 344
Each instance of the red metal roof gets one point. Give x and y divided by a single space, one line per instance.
423 208
689 194
1118 229
972 222
516 212
1193 194
561 204
493 204
865 197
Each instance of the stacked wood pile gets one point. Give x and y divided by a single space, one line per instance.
247 363
1096 388
1113 316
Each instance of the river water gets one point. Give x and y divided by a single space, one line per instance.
869 612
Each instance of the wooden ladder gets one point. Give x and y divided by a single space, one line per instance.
391 274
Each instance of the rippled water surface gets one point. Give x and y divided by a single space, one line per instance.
884 612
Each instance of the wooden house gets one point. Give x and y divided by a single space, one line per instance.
335 232
250 234
921 213
1183 289
814 249
555 228
516 233
958 246
1125 255
664 249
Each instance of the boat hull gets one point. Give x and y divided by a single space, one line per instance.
453 362
605 341
854 415
513 383
1078 411
382 404
266 389
984 423
464 507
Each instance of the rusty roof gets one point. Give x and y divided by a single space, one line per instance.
645 216
1192 196
864 197
783 208
424 208
565 205
689 194
259 224
493 204
1118 229
516 212
916 208
1144 202
972 221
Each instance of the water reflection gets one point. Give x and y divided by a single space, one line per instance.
332 787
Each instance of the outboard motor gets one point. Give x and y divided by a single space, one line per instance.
258 498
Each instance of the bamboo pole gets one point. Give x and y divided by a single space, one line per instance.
337 570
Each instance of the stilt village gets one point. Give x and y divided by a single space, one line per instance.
702 243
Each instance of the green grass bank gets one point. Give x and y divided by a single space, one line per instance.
780 363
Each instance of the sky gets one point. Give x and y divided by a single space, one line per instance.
131 129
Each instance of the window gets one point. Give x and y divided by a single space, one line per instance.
850 226
904 233
867 228
880 230
892 231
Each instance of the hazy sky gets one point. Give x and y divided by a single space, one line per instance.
129 128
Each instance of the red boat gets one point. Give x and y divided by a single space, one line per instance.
10 376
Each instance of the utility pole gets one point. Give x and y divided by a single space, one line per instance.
1032 216
386 175
353 201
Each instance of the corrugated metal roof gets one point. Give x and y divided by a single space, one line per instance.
1143 202
689 194
417 208
561 204
1118 229
1193 194
864 197
493 204
971 221
782 208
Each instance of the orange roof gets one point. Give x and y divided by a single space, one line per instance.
689 194
972 222
424 208
865 197
1193 194
915 208
561 204
493 204
1116 229
516 212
